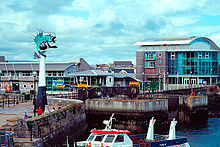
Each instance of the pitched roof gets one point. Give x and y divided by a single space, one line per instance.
123 69
32 66
124 75
122 63
91 73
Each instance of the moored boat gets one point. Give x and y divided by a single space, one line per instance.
109 137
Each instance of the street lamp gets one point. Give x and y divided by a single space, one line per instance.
167 81
34 100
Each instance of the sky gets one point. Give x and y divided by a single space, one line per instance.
101 31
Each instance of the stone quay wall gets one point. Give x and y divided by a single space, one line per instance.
52 128
119 105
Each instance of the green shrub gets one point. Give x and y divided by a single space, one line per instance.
218 84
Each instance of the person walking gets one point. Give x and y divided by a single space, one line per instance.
39 111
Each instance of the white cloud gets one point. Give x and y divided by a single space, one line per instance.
216 39
100 31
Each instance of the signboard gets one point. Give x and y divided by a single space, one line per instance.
58 83
82 85
133 83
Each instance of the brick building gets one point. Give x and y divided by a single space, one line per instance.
178 62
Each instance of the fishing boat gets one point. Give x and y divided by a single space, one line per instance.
109 137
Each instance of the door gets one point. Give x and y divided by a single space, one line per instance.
15 87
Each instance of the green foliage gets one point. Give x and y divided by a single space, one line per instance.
72 108
56 112
29 123
111 67
218 84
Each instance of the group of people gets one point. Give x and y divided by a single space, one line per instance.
39 111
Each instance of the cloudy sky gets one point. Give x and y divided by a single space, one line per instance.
101 31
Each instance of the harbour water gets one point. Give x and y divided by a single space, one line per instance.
204 135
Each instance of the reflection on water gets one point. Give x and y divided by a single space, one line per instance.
205 135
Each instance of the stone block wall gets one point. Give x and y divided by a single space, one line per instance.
52 128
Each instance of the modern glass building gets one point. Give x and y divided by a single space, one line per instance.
178 62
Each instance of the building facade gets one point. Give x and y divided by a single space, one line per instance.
178 62
20 75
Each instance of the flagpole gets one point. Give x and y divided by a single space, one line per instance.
164 80
159 80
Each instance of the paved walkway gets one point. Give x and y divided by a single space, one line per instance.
15 112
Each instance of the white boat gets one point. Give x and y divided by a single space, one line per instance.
109 137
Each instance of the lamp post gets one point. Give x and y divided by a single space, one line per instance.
211 77
191 81
34 100
0 82
143 86
177 80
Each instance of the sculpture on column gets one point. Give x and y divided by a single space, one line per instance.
43 41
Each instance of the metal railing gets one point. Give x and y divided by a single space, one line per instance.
11 99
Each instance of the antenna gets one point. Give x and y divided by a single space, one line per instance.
108 123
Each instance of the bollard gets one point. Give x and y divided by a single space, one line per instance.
14 100
8 100
3 102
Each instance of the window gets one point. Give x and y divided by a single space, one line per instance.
32 86
91 137
60 73
172 56
26 73
109 138
150 64
120 138
207 55
54 74
110 79
49 74
150 56
25 86
99 138
159 55
200 55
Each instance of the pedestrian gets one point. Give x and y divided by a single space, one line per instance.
25 115
39 111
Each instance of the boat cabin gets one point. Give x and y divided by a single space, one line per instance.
111 138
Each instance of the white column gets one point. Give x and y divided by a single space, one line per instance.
42 73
